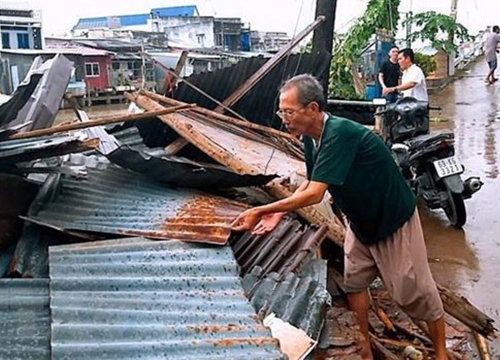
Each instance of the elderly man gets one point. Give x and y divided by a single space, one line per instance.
384 237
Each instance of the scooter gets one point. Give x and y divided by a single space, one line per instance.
427 161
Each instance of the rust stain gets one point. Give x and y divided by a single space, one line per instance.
210 329
246 341
203 218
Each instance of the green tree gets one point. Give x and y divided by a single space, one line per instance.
438 28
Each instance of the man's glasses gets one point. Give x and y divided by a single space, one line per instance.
288 113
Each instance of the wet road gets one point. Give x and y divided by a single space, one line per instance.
468 260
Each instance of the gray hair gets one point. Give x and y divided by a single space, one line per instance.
309 89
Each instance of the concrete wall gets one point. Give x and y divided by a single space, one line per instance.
188 30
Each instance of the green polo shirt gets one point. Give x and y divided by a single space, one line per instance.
362 177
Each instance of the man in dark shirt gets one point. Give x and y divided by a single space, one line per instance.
384 237
389 74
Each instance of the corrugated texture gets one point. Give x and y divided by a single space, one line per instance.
260 103
175 170
117 201
24 319
298 299
14 151
138 299
282 251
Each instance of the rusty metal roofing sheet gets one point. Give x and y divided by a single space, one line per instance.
118 201
25 319
298 299
283 250
140 299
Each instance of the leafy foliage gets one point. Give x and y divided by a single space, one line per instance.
427 63
347 48
437 28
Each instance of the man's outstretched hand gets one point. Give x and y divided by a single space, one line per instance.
259 225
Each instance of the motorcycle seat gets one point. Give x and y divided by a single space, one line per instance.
424 140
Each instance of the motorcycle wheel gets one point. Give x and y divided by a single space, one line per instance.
455 209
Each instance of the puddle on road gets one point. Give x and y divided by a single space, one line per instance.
468 260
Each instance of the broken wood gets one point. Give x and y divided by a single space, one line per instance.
412 334
461 309
99 122
389 326
401 345
175 146
380 351
268 66
482 346
228 119
178 68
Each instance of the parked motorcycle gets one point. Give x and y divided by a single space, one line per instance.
426 160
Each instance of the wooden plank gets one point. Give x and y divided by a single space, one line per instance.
225 118
100 122
268 66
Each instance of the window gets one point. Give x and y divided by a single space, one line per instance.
92 69
115 65
5 40
23 41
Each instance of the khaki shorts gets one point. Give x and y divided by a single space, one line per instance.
401 262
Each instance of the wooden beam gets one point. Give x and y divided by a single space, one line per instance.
175 146
225 118
100 122
268 66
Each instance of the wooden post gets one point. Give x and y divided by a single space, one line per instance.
268 66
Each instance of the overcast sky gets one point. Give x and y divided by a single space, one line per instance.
268 15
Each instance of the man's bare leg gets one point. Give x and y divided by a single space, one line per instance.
359 303
438 337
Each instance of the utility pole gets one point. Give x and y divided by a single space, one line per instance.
451 38
323 35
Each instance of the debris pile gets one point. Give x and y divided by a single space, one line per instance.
121 227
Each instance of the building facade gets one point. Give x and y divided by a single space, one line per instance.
20 27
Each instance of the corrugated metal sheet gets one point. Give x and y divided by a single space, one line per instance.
260 103
14 151
182 172
282 251
42 106
117 201
269 265
24 319
298 299
138 299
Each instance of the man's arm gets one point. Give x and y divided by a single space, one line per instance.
308 193
381 80
406 86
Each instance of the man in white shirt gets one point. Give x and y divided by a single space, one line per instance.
413 80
